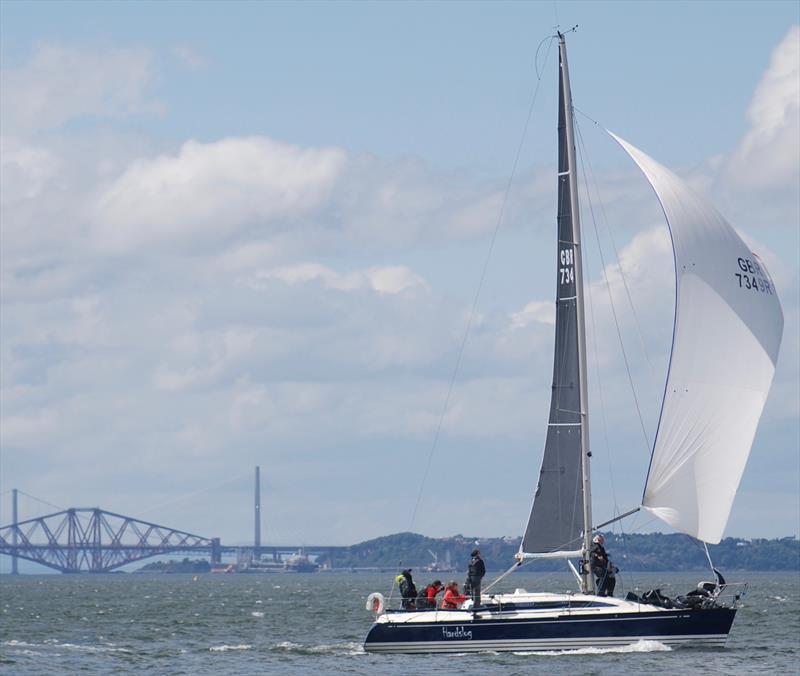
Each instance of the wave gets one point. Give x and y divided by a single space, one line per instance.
34 653
256 613
23 648
638 647
54 643
94 648
225 648
348 648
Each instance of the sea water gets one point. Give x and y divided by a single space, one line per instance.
315 623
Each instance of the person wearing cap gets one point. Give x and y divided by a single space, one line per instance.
452 598
475 573
408 591
601 567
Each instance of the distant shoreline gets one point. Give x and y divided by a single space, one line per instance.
633 552
447 557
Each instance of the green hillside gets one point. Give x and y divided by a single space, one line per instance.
634 552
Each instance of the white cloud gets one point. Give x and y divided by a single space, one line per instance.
383 279
767 157
60 83
214 188
189 57
24 170
248 256
535 311
293 200
217 350
645 267
395 205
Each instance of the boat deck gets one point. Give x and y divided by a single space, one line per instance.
522 603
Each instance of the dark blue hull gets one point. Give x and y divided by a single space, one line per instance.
696 627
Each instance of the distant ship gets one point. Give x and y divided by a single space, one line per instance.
300 563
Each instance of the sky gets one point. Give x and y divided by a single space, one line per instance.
239 234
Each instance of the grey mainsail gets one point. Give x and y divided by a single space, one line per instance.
556 523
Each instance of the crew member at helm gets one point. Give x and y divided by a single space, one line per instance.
602 569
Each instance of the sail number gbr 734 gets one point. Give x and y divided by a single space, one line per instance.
567 269
751 276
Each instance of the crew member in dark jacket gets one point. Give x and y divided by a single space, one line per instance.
475 574
427 597
602 569
408 591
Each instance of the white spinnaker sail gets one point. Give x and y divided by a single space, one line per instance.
728 329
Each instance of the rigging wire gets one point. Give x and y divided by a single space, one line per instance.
471 316
44 502
504 575
616 322
637 323
35 499
710 562
536 63
605 434
602 401
610 295
597 361
187 496
634 526
584 154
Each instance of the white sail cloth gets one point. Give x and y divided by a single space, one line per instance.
728 329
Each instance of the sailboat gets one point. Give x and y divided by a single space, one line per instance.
727 331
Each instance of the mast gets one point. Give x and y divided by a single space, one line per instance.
587 584
560 522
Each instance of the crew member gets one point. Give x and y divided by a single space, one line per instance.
430 594
408 590
602 569
476 571
452 598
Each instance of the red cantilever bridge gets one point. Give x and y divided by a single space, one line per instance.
93 540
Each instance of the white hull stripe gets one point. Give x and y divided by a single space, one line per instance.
532 621
542 644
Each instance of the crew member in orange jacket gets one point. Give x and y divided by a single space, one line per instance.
452 597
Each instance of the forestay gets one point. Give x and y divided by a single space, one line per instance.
727 333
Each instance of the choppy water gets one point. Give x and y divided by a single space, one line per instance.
315 623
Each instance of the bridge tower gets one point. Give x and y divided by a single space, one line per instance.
14 541
257 538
